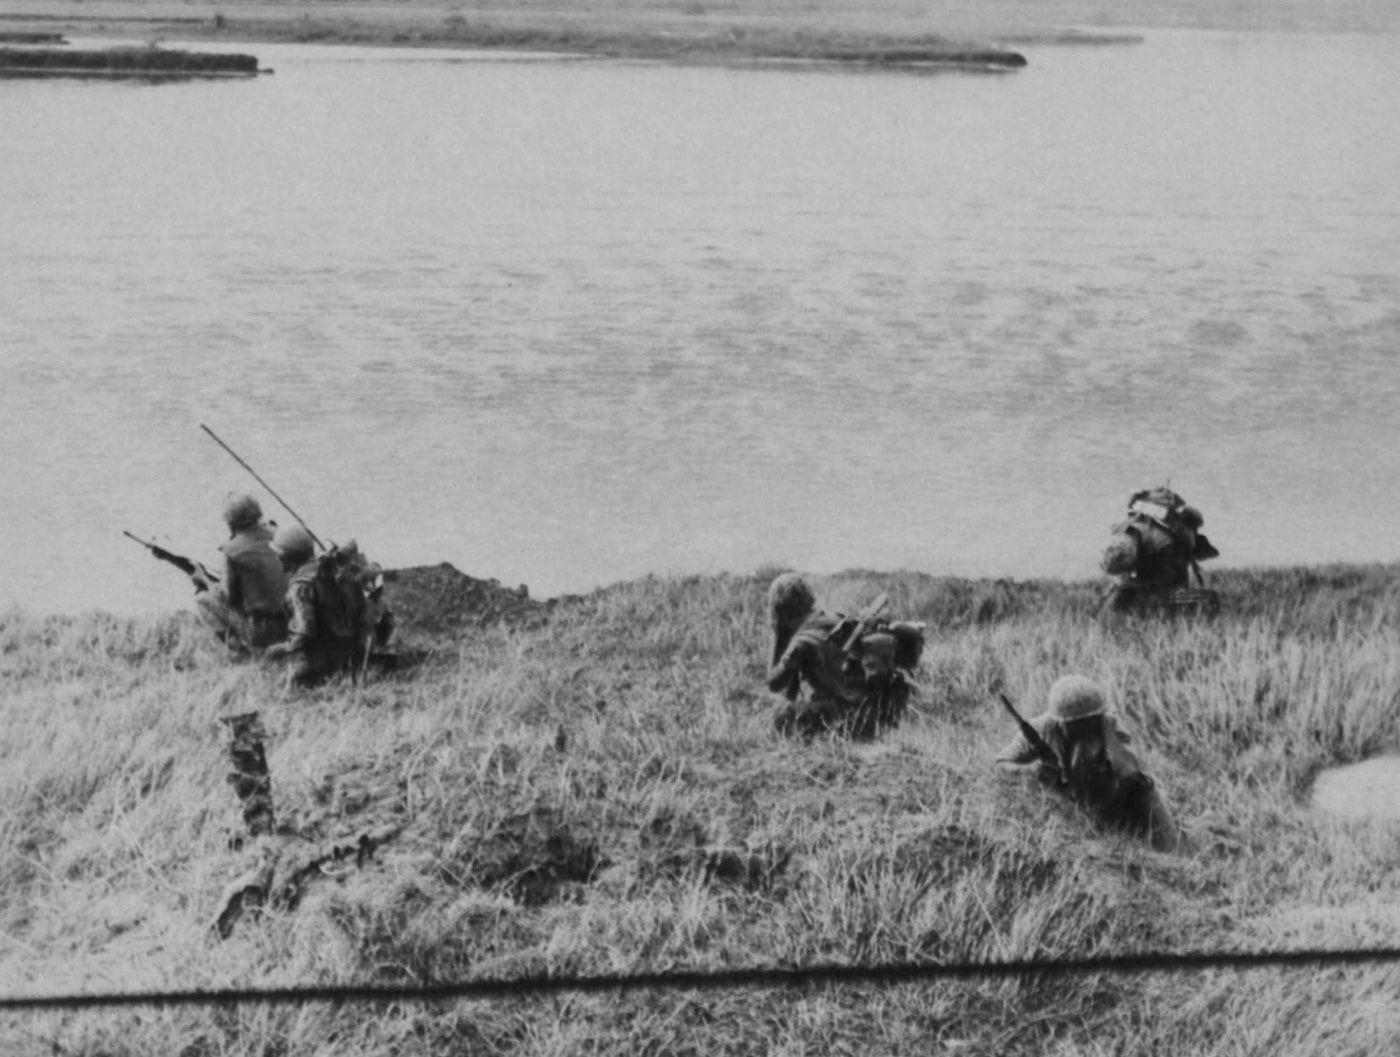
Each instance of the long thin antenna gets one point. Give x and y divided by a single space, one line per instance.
288 509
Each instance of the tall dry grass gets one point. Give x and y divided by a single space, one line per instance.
605 794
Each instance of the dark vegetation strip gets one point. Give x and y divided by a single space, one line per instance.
728 44
134 60
9 37
888 973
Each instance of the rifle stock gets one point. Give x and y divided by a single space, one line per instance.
851 629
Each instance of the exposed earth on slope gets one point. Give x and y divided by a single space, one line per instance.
436 602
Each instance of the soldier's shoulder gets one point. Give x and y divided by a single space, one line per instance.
248 542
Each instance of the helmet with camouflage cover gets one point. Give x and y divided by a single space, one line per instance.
1071 697
1121 554
292 543
877 654
789 600
241 511
1075 697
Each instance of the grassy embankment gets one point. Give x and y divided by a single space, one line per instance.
603 793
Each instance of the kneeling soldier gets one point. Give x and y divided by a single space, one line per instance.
1078 748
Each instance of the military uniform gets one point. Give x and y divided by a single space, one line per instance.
1153 552
247 606
813 657
335 608
1094 764
858 693
316 651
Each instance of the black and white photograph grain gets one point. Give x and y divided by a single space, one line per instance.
699 528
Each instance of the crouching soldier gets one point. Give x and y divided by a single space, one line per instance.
1153 553
335 607
1077 748
247 607
857 669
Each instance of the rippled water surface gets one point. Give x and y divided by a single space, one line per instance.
567 322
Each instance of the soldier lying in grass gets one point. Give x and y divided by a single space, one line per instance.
1077 748
856 669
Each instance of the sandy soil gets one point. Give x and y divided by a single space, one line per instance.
1370 789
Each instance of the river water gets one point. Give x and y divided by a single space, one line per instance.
566 322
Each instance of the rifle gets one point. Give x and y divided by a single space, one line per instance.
1040 745
295 516
852 628
185 565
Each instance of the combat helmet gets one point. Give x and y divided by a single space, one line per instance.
789 599
1074 697
1121 554
878 652
293 544
241 511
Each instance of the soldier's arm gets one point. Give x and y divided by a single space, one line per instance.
301 628
1019 752
785 674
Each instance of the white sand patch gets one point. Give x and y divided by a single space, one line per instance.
1370 789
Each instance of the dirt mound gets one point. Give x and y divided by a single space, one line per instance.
438 601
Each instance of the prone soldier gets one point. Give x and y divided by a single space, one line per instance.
1078 748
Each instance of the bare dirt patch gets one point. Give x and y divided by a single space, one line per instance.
1370 789
437 602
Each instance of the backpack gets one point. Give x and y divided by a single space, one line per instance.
1163 508
908 641
349 597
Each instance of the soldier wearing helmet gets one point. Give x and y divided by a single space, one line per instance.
1084 753
856 676
314 652
247 606
337 613
1153 553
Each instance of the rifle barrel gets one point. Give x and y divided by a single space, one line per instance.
260 481
185 565
863 619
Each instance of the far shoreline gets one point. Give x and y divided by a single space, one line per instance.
673 31
699 41
877 32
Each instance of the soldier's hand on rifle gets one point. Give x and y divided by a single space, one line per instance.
200 579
